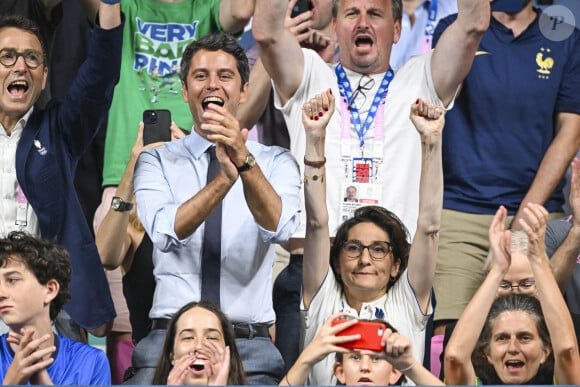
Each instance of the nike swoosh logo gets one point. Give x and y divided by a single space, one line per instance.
477 53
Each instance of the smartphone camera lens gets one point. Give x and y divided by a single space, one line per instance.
151 117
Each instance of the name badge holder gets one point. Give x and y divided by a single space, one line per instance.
361 172
21 209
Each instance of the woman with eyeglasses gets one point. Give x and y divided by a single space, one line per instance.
519 277
370 271
525 339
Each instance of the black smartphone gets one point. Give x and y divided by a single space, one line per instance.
300 7
157 126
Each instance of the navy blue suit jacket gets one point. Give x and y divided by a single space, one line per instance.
52 142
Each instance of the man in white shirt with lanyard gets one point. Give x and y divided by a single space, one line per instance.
371 159
371 143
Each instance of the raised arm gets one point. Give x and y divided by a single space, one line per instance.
429 121
315 116
112 237
109 15
563 260
280 52
260 81
458 367
556 314
456 48
258 96
235 14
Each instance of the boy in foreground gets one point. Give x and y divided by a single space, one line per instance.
34 279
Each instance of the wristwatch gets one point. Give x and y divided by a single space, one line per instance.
120 205
249 163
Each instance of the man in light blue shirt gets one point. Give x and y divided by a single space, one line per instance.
258 187
420 17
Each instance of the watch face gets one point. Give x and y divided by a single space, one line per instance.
250 162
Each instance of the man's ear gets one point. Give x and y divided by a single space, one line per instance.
244 92
397 27
44 77
184 92
52 288
339 372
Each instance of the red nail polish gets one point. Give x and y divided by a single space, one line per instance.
417 101
325 109
330 91
315 118
320 114
311 117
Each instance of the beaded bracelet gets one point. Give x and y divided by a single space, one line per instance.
314 164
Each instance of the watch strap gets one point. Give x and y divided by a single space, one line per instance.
250 162
118 204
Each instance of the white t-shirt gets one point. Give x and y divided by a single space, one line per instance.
399 306
398 174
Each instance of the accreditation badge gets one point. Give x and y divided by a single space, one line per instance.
356 195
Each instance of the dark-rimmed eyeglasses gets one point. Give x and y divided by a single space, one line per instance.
377 250
523 286
32 58
365 84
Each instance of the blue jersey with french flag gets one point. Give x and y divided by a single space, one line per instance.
504 117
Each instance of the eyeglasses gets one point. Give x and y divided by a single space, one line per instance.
365 84
522 286
378 250
32 58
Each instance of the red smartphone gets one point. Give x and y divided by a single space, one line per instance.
371 333
157 126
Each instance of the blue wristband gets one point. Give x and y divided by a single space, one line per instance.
111 1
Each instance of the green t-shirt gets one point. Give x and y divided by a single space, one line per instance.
154 37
